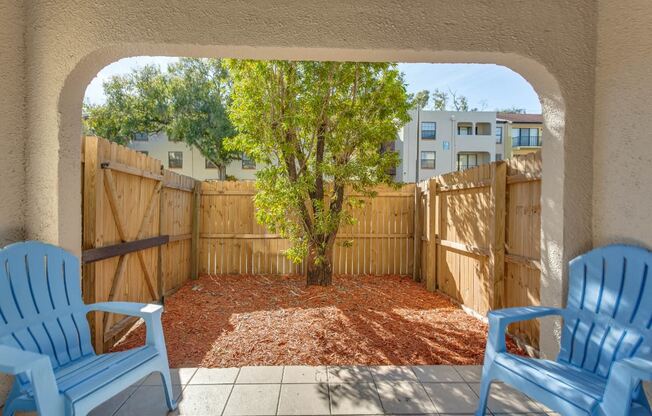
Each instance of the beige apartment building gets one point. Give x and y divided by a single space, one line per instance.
188 160
447 141
518 134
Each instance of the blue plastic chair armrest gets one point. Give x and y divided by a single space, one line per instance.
499 319
141 310
14 361
510 315
38 369
150 313
624 377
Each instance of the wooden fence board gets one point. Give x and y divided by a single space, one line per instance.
231 240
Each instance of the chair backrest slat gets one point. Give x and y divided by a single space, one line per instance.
41 308
607 292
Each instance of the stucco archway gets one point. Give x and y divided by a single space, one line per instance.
547 87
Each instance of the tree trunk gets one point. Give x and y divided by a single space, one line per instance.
222 170
319 266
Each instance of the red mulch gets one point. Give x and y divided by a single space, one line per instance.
232 321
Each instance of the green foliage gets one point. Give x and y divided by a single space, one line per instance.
317 128
440 100
452 100
420 99
511 110
199 94
188 102
135 103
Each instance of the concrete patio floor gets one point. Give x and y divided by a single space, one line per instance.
300 390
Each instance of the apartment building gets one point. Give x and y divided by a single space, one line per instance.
521 133
447 141
188 160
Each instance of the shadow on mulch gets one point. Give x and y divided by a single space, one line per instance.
236 320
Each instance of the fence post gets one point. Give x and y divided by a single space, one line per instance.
497 197
92 237
431 281
161 231
194 246
416 261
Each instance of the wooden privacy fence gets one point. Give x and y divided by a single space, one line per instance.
231 241
147 230
480 237
137 228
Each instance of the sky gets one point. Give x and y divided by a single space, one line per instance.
486 86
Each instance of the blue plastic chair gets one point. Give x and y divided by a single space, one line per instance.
45 338
606 342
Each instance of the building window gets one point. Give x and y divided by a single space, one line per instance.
247 162
428 130
141 137
499 156
145 152
385 148
427 160
499 134
175 160
467 160
464 129
209 165
447 145
526 137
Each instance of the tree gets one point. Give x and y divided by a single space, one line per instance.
420 99
135 103
511 110
199 94
440 100
318 127
188 102
458 102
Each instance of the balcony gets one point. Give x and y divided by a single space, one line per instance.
526 141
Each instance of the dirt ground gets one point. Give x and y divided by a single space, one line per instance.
232 321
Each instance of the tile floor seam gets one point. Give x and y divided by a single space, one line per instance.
138 385
487 410
124 402
434 406
373 380
228 397
280 385
191 377
328 388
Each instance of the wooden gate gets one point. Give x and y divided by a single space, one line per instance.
136 216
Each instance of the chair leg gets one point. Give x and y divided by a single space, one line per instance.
167 387
642 398
18 405
485 386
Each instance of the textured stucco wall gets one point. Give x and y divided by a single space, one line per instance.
623 146
12 119
68 41
12 132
